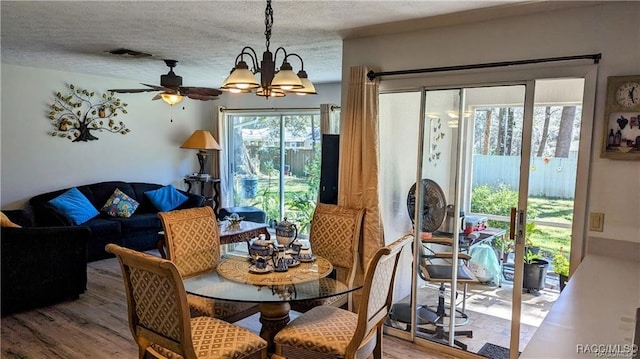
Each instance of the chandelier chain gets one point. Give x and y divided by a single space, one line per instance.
268 22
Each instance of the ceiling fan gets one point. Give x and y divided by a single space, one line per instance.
172 90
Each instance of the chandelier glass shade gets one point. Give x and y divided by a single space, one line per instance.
274 82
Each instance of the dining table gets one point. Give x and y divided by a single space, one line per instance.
232 280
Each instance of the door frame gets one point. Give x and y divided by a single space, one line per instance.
525 76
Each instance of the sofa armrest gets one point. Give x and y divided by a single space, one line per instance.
47 215
193 200
42 265
20 217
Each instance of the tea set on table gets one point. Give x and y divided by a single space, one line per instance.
267 256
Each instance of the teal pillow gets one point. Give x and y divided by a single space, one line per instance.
75 206
120 205
166 198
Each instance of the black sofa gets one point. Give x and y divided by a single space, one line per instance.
41 266
139 232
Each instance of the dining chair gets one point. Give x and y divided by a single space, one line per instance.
330 332
192 238
159 315
335 234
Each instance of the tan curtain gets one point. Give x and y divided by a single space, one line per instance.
221 158
358 172
329 119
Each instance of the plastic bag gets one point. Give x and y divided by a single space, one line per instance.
484 263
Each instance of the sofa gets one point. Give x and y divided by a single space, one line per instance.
40 266
138 232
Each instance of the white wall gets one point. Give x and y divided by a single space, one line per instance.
33 162
610 29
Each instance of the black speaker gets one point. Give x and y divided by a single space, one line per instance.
329 169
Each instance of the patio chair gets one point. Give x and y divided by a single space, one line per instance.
159 315
335 235
330 332
193 244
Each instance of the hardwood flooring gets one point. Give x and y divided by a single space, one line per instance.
96 325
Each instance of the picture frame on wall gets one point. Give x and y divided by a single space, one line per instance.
621 138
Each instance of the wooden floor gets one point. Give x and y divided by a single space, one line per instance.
96 325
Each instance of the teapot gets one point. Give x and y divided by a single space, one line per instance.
286 232
260 248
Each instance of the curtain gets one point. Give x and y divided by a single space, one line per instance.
221 169
329 119
358 169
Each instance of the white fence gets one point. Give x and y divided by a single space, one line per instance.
557 178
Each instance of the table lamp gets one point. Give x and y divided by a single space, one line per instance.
202 141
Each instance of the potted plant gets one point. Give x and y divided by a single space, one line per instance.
561 267
535 272
530 229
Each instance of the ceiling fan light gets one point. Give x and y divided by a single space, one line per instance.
171 99
241 78
286 79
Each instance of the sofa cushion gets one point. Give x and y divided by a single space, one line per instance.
120 205
166 198
102 191
103 227
75 206
139 222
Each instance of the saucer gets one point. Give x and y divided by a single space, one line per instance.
256 270
307 260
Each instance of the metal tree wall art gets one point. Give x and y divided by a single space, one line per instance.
77 114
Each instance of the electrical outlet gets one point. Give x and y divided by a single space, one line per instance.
596 221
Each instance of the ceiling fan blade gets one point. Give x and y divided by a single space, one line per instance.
200 91
201 97
131 90
161 88
157 97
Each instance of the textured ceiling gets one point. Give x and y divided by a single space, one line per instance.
204 36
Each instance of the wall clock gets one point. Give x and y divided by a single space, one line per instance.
622 118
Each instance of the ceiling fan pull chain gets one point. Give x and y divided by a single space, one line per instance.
268 22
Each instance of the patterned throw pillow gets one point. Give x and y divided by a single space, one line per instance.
6 222
75 206
120 205
166 198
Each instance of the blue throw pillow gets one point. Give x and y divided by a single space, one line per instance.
166 198
120 205
75 206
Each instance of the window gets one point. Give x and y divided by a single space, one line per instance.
274 163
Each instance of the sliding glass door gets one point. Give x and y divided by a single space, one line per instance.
481 151
274 163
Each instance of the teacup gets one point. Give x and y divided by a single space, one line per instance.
305 253
261 263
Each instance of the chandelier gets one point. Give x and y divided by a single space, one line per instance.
273 82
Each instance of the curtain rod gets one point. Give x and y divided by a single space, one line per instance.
595 57
275 109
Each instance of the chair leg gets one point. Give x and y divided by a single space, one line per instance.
377 351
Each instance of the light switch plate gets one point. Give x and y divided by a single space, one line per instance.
596 221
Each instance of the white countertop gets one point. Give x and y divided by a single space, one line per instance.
596 309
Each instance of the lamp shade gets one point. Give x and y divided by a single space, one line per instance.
201 140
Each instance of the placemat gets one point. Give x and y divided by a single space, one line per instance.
237 269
